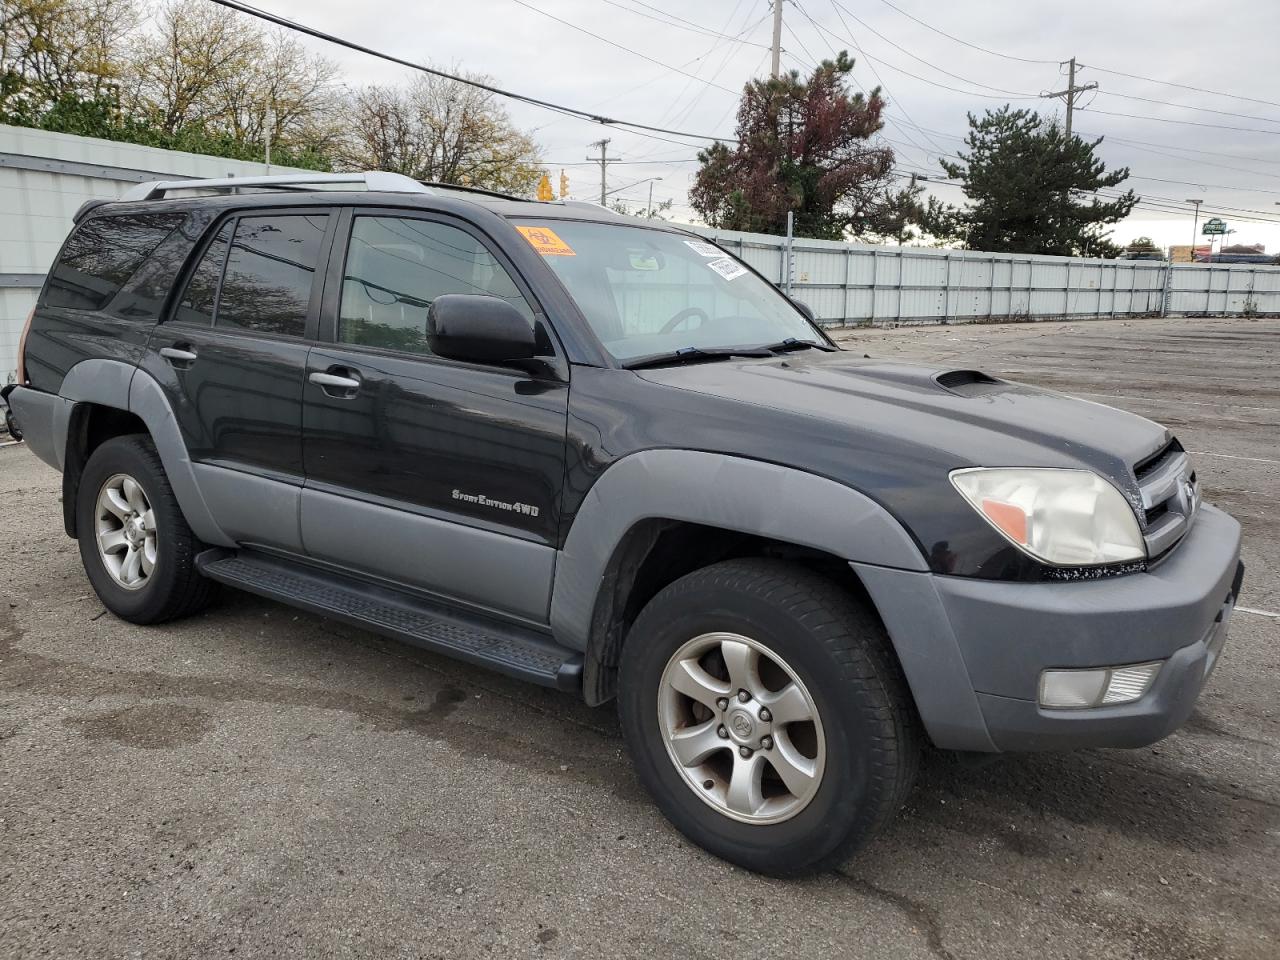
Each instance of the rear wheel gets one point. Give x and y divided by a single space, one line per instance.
766 715
135 544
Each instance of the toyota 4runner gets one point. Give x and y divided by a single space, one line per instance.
604 455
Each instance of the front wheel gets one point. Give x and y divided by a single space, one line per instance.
765 713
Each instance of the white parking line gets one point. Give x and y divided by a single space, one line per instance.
1228 456
1259 613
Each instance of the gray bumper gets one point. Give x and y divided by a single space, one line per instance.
973 649
43 419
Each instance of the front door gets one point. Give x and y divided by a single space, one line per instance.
232 358
441 475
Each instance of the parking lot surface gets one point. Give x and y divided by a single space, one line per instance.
258 781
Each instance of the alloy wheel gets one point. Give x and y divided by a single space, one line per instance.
125 530
741 728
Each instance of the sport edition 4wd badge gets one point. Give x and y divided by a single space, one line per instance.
479 499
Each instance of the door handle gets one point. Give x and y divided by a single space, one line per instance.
336 385
178 356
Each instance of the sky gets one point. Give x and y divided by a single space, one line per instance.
670 64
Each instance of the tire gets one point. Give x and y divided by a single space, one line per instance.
852 764
171 587
11 424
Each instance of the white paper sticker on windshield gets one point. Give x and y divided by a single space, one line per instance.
704 249
729 269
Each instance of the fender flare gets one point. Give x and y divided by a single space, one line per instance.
714 489
113 383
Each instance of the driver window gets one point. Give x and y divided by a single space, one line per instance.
397 266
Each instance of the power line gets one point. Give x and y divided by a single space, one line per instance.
678 22
1186 123
932 66
1182 86
915 76
994 53
1187 106
1171 146
612 43
498 91
871 63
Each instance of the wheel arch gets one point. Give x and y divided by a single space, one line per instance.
109 398
656 515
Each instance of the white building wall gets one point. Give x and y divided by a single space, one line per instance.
44 178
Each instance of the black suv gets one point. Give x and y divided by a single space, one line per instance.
603 455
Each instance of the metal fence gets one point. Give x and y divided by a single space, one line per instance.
850 284
44 177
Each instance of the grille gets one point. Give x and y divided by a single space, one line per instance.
1170 497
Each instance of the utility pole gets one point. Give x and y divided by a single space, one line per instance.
267 125
1195 226
777 38
1069 94
604 160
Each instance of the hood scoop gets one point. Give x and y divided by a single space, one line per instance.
968 383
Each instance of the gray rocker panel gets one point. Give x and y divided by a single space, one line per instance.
492 570
749 496
252 509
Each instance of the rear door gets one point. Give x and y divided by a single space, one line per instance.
430 472
232 355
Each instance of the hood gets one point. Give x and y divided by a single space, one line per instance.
951 418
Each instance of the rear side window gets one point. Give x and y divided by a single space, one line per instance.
102 254
257 275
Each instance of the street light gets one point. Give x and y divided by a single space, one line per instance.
1195 226
649 212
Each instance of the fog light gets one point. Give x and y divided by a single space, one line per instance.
1106 686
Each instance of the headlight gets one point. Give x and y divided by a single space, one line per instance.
1063 517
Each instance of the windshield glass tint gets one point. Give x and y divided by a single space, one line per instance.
650 291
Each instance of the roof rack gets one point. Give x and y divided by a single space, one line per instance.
372 180
480 190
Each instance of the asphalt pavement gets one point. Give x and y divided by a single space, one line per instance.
260 782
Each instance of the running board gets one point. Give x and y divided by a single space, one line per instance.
516 651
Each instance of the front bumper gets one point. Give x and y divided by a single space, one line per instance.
975 670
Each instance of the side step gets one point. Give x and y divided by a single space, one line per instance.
506 648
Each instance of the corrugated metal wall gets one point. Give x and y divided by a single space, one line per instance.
849 283
44 177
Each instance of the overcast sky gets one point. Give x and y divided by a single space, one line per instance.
1221 47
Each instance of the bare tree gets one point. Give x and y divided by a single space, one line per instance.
205 66
54 48
176 66
441 130
284 88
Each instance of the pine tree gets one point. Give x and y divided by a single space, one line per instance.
1030 190
804 146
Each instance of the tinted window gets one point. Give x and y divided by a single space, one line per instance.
196 305
266 285
102 254
396 267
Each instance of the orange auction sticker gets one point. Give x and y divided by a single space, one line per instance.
546 242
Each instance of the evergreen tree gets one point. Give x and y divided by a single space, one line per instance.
1031 189
804 146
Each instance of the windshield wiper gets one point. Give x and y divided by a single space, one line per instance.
695 355
791 343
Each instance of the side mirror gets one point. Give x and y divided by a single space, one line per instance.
478 329
804 308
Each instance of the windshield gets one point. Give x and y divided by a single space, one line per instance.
648 292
